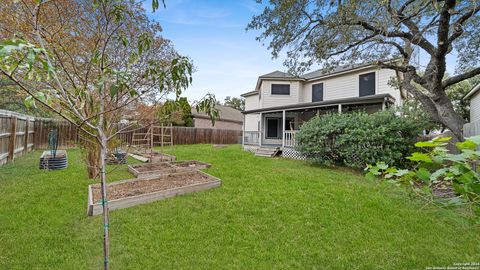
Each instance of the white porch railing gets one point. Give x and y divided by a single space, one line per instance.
471 129
289 136
251 137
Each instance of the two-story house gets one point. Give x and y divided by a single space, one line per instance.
281 103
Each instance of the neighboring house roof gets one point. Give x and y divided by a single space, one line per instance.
472 92
352 100
227 114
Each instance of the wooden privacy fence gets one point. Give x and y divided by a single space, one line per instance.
16 135
67 134
22 133
190 135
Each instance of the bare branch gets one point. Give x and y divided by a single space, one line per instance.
461 77
458 24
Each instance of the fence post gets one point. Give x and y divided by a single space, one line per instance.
13 138
25 144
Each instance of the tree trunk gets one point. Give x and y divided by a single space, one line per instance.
91 154
451 119
93 163
103 178
440 108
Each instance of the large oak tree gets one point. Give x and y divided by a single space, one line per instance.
338 32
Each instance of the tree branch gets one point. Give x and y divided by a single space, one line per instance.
24 88
423 43
458 24
461 77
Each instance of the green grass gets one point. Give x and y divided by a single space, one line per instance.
269 214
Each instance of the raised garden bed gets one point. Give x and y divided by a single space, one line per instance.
152 157
50 162
126 193
190 165
157 169
151 169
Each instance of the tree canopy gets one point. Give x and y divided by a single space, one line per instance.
344 32
87 61
234 102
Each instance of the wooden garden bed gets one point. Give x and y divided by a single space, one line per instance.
150 170
152 157
126 193
190 165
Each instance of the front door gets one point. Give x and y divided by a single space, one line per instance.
273 128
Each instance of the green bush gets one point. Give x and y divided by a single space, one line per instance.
438 172
357 139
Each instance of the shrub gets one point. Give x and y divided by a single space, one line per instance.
438 172
357 139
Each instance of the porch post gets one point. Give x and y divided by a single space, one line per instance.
260 131
283 129
340 108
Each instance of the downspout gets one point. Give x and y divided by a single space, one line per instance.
260 131
283 129
243 131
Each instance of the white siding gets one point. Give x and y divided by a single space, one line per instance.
475 108
252 122
252 102
384 77
269 100
347 85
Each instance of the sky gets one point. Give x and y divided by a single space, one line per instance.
227 58
212 33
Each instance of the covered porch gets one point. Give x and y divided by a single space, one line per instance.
278 127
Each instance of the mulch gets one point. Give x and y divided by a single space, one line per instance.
152 167
140 186
190 164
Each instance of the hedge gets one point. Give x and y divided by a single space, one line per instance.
357 139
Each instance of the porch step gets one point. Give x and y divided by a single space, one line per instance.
267 151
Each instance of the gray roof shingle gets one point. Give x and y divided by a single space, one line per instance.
226 113
277 74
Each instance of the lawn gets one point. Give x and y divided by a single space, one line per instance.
269 214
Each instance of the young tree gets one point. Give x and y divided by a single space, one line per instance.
177 113
86 61
334 32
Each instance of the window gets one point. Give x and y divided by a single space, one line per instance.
272 128
317 92
367 84
281 89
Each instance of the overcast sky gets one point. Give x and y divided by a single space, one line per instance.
212 32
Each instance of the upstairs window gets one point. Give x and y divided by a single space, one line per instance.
281 89
317 92
367 84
